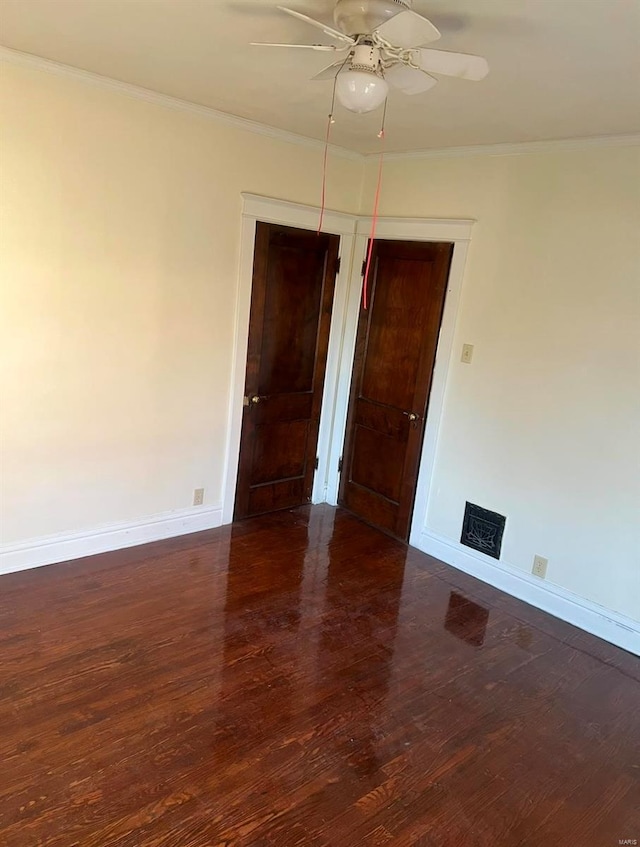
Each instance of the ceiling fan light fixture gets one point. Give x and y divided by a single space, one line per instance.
361 90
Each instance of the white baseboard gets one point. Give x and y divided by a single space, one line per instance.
611 626
75 545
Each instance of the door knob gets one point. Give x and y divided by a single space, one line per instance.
251 401
411 415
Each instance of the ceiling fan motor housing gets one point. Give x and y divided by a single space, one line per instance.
361 17
366 57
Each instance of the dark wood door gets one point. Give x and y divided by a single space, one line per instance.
294 274
393 366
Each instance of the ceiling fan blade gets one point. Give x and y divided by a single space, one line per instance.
330 72
331 48
461 65
409 80
328 30
408 29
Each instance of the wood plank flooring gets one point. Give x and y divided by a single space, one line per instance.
302 679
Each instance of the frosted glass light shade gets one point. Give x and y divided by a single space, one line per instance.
360 91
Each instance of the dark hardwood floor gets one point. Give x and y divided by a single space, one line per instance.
302 679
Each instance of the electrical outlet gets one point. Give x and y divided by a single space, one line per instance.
198 496
467 353
540 566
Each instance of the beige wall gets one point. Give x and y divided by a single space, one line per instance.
120 245
544 425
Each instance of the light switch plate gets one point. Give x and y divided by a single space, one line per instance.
467 353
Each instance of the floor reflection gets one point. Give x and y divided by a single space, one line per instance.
466 620
357 644
302 679
262 616
309 640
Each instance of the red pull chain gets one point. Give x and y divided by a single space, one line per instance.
324 171
374 219
330 121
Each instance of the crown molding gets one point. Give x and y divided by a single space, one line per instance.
520 148
28 60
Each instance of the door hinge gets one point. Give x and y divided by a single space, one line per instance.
338 264
340 465
364 267
317 463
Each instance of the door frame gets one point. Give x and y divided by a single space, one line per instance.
354 234
257 208
457 232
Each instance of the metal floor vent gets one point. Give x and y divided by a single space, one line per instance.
482 530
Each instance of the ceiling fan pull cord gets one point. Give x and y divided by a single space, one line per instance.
374 219
324 171
330 121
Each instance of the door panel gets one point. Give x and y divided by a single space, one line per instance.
291 311
279 451
393 366
368 471
292 295
391 363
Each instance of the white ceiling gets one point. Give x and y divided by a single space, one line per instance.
559 68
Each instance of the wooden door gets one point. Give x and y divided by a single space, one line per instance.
393 366
294 274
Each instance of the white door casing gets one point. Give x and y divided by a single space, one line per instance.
354 233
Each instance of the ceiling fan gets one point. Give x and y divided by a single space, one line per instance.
384 42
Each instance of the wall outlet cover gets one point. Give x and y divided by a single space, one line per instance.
198 496
539 566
